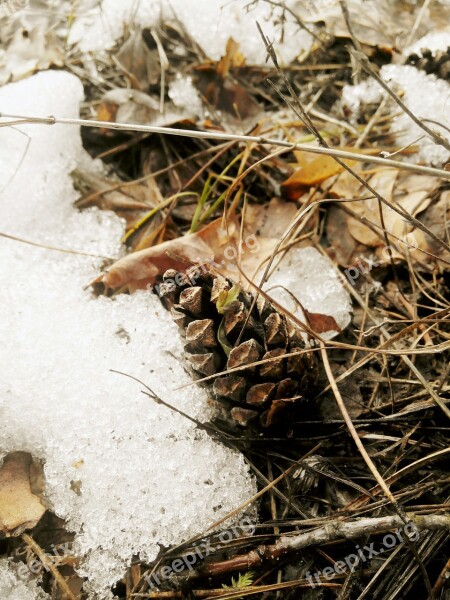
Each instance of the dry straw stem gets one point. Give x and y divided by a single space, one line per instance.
49 566
239 593
215 135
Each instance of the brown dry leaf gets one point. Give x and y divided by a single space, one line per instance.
437 219
344 249
21 486
410 191
270 219
321 323
139 196
381 23
224 94
383 181
123 105
127 106
140 63
232 58
212 245
347 186
140 269
311 172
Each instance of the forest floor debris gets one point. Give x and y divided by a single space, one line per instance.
155 483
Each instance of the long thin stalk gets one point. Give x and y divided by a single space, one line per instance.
217 135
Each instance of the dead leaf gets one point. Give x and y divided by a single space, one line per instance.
312 172
140 269
437 219
379 24
411 192
321 323
270 219
383 182
344 249
224 93
232 58
21 486
123 105
140 63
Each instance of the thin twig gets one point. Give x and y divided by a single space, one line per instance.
48 564
216 135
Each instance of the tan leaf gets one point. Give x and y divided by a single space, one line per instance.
383 182
344 248
232 58
437 219
313 173
140 269
270 219
21 483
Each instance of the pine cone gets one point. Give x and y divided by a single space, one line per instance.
213 316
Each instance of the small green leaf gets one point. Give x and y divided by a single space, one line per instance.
223 340
243 581
226 298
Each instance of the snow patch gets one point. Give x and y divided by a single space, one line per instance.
210 23
425 95
126 473
434 42
305 275
17 583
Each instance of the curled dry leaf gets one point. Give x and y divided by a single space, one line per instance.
21 486
437 219
123 105
311 172
140 64
270 219
140 269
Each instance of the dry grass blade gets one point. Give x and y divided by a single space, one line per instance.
48 564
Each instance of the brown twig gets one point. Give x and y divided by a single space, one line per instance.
48 565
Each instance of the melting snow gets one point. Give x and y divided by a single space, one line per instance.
425 95
210 23
147 475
